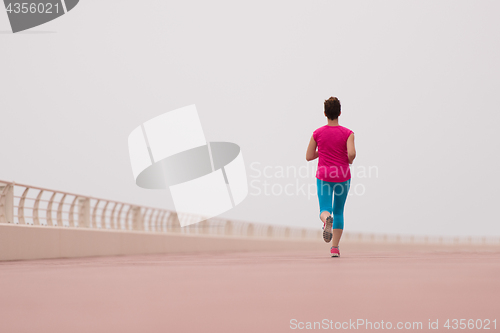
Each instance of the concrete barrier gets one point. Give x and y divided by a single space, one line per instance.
18 242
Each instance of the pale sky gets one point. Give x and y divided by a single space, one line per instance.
418 82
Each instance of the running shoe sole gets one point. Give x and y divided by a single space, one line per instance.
327 231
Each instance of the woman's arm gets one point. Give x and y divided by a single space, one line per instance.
351 150
312 153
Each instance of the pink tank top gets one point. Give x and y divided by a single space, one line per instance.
333 164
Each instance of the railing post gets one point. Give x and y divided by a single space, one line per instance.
204 227
137 218
83 212
250 230
228 228
6 203
173 223
269 231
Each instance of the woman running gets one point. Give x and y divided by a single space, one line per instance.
335 149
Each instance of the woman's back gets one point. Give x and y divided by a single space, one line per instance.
333 164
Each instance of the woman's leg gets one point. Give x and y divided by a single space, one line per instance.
340 195
325 198
323 216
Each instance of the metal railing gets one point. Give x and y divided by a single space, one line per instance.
33 205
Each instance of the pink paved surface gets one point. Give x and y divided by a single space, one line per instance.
250 292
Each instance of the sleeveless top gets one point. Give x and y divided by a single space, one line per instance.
333 163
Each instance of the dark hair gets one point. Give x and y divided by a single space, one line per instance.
332 108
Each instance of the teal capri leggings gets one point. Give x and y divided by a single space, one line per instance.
332 197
